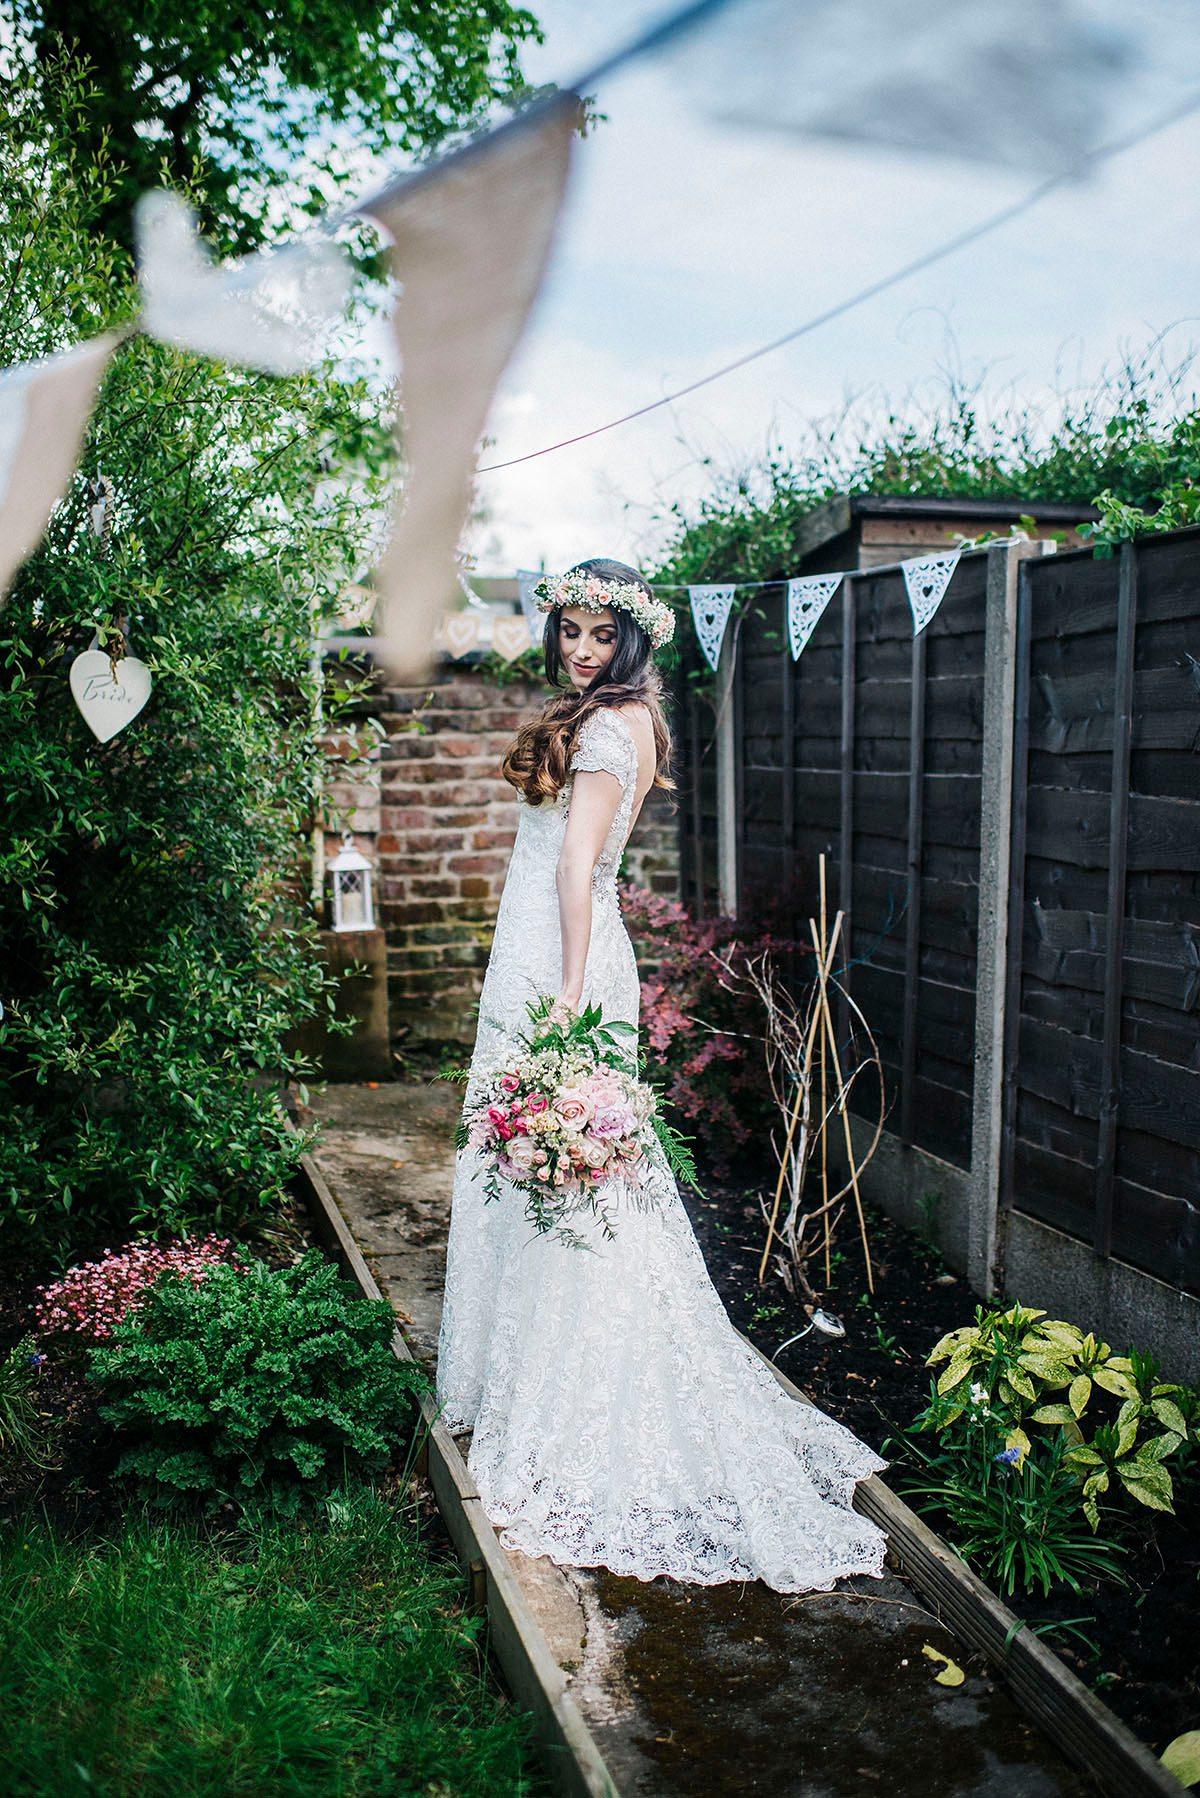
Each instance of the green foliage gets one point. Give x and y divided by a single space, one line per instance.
260 1382
1019 1525
22 1431
1130 447
328 1659
154 950
1014 1467
246 103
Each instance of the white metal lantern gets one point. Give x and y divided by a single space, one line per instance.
353 901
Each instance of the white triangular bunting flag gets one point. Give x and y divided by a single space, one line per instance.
44 411
274 310
470 239
527 580
806 601
710 614
927 578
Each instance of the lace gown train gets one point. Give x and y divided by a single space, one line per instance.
619 1420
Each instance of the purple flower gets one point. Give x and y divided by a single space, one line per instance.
1009 1456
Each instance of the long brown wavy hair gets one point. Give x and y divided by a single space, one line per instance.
538 762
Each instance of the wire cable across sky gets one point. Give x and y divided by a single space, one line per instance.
1104 153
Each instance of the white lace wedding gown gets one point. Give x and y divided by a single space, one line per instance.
619 1420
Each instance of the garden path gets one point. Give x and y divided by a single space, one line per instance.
704 1691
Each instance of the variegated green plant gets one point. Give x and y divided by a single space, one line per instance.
1018 1368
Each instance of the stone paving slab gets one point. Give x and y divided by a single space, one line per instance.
699 1690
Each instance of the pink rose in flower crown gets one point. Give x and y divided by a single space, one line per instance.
573 1108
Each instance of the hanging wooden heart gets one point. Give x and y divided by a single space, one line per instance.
510 637
107 704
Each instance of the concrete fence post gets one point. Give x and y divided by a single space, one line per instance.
995 838
726 751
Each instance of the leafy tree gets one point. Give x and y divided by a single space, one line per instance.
235 99
152 955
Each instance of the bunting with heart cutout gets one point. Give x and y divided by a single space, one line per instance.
926 579
710 614
806 601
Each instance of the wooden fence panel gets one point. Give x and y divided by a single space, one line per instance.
1104 1091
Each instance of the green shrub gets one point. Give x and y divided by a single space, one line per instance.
1016 1470
156 944
256 1382
22 1427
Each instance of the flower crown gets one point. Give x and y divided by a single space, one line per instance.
589 591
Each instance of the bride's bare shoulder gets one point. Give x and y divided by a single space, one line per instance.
638 719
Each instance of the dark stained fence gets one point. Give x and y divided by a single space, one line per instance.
869 750
1102 1113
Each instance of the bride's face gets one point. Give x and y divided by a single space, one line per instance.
586 643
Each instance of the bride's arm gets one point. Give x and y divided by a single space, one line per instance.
594 801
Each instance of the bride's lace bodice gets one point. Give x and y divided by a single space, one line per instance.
526 961
618 1419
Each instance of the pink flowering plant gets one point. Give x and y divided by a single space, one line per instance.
569 1123
90 1301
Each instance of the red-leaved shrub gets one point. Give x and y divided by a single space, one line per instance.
702 1032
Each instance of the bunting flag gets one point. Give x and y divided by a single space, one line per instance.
44 411
510 637
274 310
806 601
710 614
527 580
470 241
926 578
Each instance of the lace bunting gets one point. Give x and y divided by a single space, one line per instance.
710 614
273 310
527 580
926 578
806 602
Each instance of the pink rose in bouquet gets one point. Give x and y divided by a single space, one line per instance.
569 1125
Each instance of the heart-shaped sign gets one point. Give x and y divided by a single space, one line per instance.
510 637
107 705
460 632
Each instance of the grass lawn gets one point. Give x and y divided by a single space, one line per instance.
273 1658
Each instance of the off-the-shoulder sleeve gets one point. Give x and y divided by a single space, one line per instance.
604 745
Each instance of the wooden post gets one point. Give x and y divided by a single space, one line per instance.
912 900
846 807
1114 935
696 759
1016 910
787 726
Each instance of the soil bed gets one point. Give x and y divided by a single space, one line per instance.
1146 1663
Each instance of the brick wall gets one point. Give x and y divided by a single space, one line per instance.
446 825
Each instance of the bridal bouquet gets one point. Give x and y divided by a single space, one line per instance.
567 1122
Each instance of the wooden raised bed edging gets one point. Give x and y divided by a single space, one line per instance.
1046 1690
534 1677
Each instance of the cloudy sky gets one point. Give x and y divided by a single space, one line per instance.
687 243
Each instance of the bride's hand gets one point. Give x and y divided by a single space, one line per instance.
563 1011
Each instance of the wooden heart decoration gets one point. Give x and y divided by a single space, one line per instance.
460 632
510 637
108 705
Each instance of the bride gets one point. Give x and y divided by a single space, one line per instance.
618 1418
